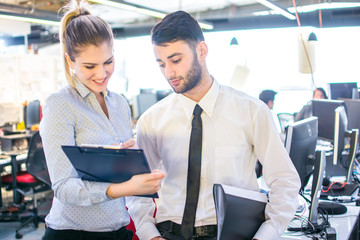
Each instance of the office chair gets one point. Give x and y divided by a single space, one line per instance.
34 182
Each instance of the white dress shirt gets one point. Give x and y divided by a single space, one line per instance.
237 129
74 117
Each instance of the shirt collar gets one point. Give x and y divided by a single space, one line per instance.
83 90
207 103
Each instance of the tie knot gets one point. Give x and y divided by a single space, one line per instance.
197 110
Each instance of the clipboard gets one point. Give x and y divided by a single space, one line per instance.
112 165
239 212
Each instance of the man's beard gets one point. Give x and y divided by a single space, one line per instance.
192 77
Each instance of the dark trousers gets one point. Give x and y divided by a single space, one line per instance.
171 231
121 234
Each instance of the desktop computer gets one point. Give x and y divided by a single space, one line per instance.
10 113
333 128
343 90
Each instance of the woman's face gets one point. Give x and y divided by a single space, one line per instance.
94 66
318 95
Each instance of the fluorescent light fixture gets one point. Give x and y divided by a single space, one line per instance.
130 8
332 5
277 9
2 45
206 26
31 20
263 13
142 10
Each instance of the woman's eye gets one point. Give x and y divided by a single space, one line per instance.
109 62
89 67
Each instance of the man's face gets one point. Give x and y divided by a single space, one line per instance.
270 104
179 64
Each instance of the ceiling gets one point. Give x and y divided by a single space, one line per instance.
221 14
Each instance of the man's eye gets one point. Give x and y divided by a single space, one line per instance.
89 67
109 62
177 61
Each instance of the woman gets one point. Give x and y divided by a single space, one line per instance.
85 112
306 111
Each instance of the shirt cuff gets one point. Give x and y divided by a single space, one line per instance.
101 188
266 231
147 231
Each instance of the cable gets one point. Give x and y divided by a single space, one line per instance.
309 229
329 187
303 196
320 15
303 44
296 13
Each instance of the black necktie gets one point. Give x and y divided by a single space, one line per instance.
193 179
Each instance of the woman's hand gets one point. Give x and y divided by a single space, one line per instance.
158 238
148 183
141 184
129 144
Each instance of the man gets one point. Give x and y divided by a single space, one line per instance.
236 129
268 97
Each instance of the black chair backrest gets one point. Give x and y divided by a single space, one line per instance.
36 163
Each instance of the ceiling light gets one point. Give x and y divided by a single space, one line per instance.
142 10
277 9
31 20
129 7
315 7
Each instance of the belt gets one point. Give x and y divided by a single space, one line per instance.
201 231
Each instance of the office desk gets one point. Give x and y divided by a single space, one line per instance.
14 160
8 141
346 225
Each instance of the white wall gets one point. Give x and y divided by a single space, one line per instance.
271 56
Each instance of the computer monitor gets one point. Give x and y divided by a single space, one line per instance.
332 124
300 143
318 176
342 90
142 102
340 127
325 111
32 112
160 94
353 113
10 113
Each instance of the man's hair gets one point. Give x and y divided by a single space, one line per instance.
267 95
177 26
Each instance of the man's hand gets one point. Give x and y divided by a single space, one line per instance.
158 238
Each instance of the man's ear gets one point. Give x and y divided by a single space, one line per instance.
203 48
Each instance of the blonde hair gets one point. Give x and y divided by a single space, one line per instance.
80 29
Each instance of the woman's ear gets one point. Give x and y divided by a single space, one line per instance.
69 62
